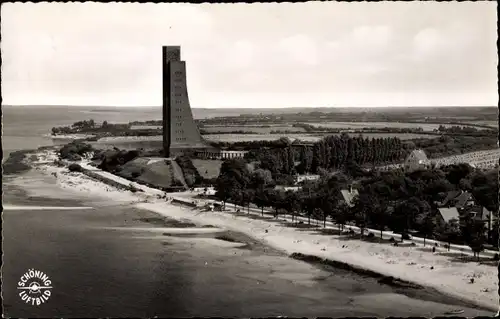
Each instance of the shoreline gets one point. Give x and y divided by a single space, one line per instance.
290 241
284 239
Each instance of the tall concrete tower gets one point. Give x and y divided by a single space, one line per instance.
180 132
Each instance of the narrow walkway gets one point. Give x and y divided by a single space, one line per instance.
178 173
466 250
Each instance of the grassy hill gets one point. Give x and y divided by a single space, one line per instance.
157 172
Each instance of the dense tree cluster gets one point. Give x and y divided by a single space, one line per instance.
468 130
334 152
90 127
395 200
80 126
331 153
452 145
317 128
75 150
150 122
113 160
251 145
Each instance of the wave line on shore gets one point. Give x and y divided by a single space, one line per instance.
19 207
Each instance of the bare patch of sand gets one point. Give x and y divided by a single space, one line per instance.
170 231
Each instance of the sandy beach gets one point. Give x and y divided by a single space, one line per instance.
110 257
413 264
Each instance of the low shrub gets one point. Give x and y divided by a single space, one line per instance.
75 168
75 150
136 174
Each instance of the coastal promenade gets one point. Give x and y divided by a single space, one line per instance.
188 198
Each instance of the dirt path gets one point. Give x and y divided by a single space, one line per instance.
178 173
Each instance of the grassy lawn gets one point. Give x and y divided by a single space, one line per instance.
207 168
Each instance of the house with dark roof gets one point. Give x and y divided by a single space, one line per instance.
464 200
416 160
460 204
458 199
449 196
483 214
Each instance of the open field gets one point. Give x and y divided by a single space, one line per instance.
258 137
303 136
207 168
493 124
480 159
155 141
359 125
252 128
146 127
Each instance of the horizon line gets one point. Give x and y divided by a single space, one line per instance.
249 107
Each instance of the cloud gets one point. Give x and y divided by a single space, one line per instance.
260 54
371 37
299 48
240 54
427 42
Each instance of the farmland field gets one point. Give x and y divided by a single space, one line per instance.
155 141
146 127
493 124
207 168
359 125
302 137
252 128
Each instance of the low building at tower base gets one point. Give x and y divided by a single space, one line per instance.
219 154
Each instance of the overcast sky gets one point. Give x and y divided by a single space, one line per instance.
259 55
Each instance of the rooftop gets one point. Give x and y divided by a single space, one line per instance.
449 214
420 155
349 196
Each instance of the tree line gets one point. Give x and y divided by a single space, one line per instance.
330 153
395 200
365 151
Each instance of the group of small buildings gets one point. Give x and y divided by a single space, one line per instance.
457 204
461 204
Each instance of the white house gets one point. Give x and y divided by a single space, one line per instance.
287 188
302 178
416 160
